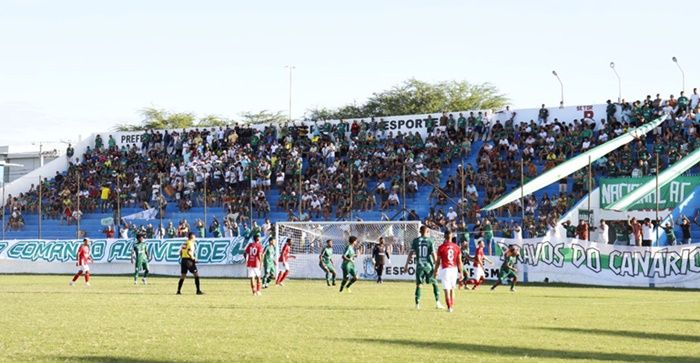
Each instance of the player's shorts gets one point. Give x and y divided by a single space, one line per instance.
448 277
424 273
283 266
188 265
349 270
141 265
506 274
84 268
269 269
253 272
326 266
479 273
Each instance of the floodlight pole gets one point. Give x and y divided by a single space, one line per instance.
619 82
561 85
675 60
291 68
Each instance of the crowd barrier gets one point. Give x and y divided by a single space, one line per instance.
560 260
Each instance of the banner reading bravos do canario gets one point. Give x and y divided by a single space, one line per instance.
585 262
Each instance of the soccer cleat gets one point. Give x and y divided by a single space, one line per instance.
417 306
134 282
512 290
87 284
145 282
72 283
438 305
449 310
200 293
178 293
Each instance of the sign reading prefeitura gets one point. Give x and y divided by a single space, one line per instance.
675 192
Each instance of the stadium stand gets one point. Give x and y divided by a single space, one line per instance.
234 180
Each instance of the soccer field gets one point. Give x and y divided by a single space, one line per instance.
44 319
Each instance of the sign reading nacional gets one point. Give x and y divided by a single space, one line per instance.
675 192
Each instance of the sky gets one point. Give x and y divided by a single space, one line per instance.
71 68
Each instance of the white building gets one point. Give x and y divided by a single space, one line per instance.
30 156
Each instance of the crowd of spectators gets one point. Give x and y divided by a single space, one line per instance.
333 170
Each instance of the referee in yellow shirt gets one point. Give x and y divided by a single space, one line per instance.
188 262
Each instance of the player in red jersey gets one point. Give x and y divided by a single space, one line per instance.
479 274
83 258
253 257
283 262
451 267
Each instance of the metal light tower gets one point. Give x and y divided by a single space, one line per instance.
619 82
675 60
291 68
561 85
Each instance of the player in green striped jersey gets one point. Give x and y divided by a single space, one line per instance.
325 262
269 261
508 269
139 256
423 248
348 266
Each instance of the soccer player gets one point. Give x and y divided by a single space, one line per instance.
139 254
252 256
283 262
479 274
269 256
348 266
325 262
83 258
188 263
450 268
508 270
380 255
423 248
466 259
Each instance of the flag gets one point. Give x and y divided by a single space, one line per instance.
147 214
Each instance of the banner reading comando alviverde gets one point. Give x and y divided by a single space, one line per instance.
213 251
613 189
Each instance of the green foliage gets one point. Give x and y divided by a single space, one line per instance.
418 97
263 117
113 321
159 119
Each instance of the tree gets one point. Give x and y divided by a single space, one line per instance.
263 117
159 119
418 97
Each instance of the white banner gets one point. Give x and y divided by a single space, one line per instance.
541 259
307 266
590 263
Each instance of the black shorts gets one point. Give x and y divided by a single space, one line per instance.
188 264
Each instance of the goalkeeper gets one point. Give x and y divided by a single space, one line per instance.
325 262
269 257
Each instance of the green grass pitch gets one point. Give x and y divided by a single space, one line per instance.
43 319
